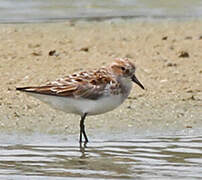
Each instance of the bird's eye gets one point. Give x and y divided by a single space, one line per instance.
123 68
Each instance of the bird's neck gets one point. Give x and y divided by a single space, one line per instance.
125 85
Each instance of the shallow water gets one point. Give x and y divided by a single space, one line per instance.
149 157
53 10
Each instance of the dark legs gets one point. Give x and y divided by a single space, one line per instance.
82 129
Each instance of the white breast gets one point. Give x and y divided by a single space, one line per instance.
81 106
92 107
101 105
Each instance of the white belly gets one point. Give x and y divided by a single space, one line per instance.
81 106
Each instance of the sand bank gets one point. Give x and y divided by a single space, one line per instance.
168 56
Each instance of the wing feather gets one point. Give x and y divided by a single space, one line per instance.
89 85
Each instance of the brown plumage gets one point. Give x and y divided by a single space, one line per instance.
88 92
90 85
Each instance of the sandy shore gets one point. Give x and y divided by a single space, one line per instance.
168 56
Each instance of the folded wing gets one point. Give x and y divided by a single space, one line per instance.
89 85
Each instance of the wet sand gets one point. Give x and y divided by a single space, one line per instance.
168 59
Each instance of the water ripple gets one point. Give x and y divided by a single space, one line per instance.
150 158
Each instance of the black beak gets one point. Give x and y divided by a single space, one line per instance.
135 80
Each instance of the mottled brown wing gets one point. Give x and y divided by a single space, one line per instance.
77 91
49 90
90 91
92 86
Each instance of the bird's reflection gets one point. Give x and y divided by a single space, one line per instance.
83 147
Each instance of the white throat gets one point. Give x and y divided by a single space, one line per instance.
126 86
